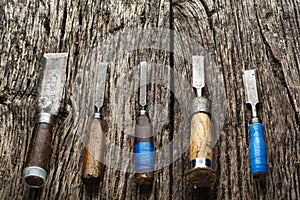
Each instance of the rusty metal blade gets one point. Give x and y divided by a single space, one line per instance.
52 82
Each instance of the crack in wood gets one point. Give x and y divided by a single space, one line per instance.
277 67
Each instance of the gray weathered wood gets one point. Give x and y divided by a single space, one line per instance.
262 35
254 34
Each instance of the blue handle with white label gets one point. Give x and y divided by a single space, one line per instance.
144 156
258 158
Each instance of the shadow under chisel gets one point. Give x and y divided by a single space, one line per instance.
94 147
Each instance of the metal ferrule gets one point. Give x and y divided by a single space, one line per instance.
255 120
44 118
200 163
34 171
97 115
200 104
143 112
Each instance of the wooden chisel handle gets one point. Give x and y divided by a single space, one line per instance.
93 153
39 155
201 173
144 162
200 140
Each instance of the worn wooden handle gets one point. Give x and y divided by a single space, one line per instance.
39 155
201 173
144 162
200 140
92 168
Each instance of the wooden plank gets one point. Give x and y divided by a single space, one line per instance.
28 30
262 35
238 34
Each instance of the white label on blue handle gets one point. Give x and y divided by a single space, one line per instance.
144 156
258 158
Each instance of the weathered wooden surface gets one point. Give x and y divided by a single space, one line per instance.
255 34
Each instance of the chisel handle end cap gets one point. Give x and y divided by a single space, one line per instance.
34 177
260 176
144 178
201 177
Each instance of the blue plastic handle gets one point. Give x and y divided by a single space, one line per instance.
258 158
144 156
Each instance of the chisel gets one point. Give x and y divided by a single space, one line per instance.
200 173
92 168
144 164
48 104
258 160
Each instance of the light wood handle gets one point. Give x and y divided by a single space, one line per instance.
92 168
200 140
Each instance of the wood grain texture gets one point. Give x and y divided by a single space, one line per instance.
93 152
200 137
248 34
262 35
41 146
29 29
200 147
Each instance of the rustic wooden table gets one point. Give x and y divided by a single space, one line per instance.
255 34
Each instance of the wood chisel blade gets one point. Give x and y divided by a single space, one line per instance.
251 94
100 85
143 84
52 83
198 80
